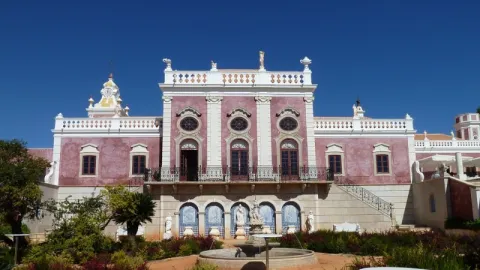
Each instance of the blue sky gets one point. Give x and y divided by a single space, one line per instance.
408 56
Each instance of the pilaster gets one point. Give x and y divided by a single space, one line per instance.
214 131
57 148
278 222
227 221
176 225
264 133
167 131
201 224
311 154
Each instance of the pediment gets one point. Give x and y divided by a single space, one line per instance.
381 147
189 109
290 110
89 148
334 147
239 110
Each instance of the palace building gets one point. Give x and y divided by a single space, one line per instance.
231 137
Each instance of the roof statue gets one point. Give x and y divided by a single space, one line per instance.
110 105
358 111
262 61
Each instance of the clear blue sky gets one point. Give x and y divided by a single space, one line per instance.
398 56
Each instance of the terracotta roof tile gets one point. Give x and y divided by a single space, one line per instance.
434 137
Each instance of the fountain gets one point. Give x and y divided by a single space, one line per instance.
253 252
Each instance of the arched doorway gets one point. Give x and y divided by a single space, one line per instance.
188 218
189 160
291 216
267 211
214 217
239 159
289 158
233 219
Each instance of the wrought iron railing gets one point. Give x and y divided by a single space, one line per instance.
366 196
242 174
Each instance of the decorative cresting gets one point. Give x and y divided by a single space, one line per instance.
268 214
110 104
291 218
188 220
214 220
369 198
188 109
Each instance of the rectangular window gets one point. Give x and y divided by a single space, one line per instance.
382 164
138 164
335 163
89 165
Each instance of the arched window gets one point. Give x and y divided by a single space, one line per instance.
289 157
239 160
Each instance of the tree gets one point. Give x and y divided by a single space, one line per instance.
478 110
20 194
129 207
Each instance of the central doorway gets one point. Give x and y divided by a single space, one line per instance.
189 161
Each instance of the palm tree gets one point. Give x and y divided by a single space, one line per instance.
141 211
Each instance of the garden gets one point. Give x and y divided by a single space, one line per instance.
77 240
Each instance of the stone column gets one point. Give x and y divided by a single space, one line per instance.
201 224
264 132
278 221
167 130
459 160
311 153
227 220
214 132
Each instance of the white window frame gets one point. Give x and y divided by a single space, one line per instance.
335 149
138 149
89 149
382 149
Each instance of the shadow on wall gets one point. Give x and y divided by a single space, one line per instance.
254 266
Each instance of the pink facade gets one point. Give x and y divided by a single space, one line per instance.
359 159
46 153
199 104
460 200
113 165
229 104
277 105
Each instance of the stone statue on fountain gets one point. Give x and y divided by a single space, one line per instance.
256 220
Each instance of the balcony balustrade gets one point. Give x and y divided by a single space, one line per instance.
227 174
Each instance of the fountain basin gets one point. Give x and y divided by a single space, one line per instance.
279 258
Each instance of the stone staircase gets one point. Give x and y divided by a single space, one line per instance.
369 199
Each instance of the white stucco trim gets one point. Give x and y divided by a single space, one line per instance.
167 131
382 149
279 140
264 131
57 149
214 131
89 149
178 142
228 144
335 149
411 155
309 122
138 149
204 206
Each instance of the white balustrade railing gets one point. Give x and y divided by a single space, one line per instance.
238 78
153 124
447 144
325 124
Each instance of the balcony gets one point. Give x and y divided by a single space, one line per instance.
238 175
